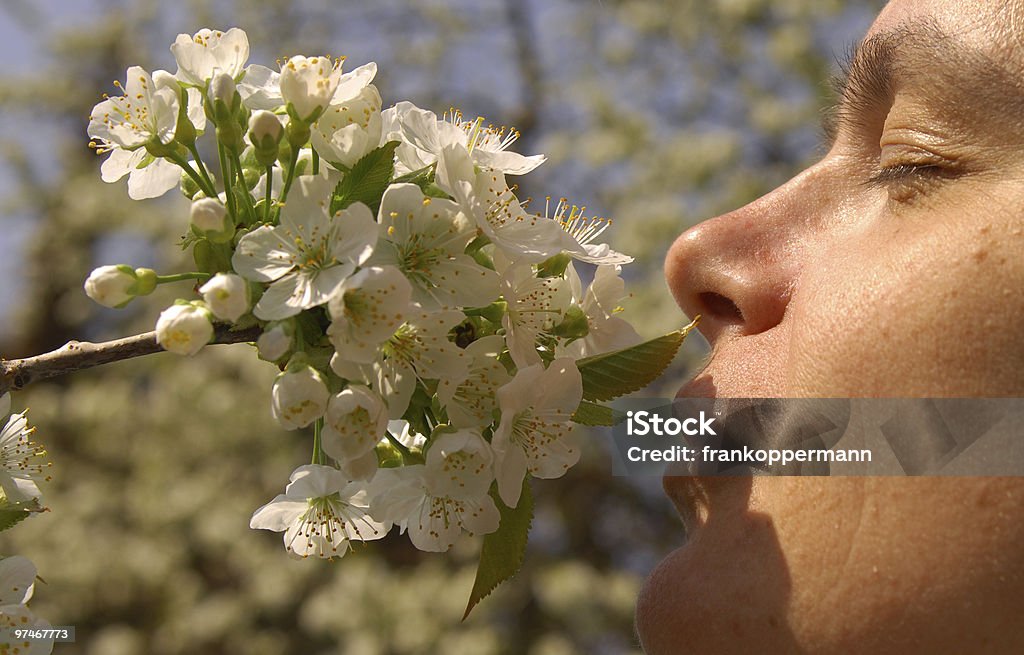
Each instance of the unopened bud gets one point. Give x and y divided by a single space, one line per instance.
265 130
299 396
227 296
184 328
276 341
115 286
210 220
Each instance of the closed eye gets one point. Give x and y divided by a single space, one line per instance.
904 172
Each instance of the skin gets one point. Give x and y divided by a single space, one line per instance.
833 286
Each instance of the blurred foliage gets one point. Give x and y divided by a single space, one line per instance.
657 113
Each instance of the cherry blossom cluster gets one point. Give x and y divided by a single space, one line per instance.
427 323
24 468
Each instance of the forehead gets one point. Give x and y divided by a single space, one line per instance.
993 26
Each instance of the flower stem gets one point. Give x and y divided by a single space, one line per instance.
225 173
316 163
270 184
204 184
209 188
250 211
294 160
318 453
178 277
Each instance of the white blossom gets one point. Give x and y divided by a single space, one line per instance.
184 329
366 309
534 306
583 230
409 497
17 583
227 296
355 422
460 465
299 396
535 434
348 130
308 84
309 253
471 402
425 238
208 51
146 113
425 136
606 331
418 350
23 462
485 196
320 512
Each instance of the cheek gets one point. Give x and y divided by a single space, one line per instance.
932 312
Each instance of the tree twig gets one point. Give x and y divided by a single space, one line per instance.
17 374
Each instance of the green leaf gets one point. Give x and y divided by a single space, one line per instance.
599 415
619 372
368 179
11 517
503 550
12 514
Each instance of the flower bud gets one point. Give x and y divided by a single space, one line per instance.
189 188
115 286
275 342
265 131
299 396
184 328
223 97
227 296
210 220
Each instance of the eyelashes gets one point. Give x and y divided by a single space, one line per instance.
899 173
905 182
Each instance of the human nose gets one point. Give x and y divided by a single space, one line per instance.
739 270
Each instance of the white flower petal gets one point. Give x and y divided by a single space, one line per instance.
17 578
278 514
263 255
154 180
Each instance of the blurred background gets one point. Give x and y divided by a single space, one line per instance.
656 113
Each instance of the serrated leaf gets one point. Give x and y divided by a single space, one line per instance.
503 550
619 372
368 179
12 514
11 517
598 415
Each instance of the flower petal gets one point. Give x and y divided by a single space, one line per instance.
278 514
263 255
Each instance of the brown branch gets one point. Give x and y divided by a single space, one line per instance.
17 374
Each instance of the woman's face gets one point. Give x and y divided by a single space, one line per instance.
892 267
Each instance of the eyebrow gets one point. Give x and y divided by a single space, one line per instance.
956 74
